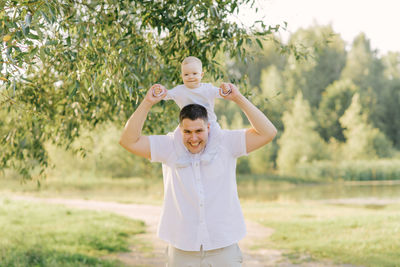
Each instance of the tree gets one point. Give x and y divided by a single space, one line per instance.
366 70
270 98
87 62
335 100
269 54
324 63
391 62
299 143
389 99
363 141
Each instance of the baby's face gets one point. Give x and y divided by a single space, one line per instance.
192 75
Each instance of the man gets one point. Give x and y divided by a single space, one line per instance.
201 217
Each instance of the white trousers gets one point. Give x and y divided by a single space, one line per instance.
230 256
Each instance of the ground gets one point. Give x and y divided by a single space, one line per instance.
150 215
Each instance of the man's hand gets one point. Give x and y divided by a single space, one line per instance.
132 138
262 131
229 91
155 94
158 90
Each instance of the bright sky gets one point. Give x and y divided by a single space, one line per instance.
379 20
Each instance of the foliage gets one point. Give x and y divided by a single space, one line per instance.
362 140
352 170
389 111
335 100
104 157
299 142
263 160
88 62
322 67
366 70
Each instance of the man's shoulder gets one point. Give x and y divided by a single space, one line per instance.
234 141
169 135
162 147
233 131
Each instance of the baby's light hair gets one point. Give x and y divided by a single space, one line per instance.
192 59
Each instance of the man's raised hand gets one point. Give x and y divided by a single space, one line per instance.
155 94
229 91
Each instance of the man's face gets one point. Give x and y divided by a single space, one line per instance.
192 75
194 134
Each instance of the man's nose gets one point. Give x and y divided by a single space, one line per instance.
194 137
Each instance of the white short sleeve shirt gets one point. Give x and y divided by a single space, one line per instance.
201 204
204 95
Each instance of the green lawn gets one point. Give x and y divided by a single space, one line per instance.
52 235
367 235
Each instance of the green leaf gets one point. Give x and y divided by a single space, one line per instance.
33 36
259 43
75 88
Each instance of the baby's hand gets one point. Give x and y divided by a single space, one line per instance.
157 90
225 89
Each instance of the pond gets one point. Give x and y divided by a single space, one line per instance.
262 190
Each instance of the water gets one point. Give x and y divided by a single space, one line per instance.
274 191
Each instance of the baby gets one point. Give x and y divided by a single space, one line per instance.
192 91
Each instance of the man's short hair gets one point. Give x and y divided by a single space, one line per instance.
193 112
192 59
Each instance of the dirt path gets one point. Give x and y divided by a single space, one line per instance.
150 215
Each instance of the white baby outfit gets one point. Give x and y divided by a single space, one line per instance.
203 95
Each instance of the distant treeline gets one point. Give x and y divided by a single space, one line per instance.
340 105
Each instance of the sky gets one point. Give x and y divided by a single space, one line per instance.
379 20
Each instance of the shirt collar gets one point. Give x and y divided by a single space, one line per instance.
185 158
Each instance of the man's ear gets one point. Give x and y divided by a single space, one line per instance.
202 74
208 126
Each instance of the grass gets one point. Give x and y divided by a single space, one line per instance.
367 235
52 235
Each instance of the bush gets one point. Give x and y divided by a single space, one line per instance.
104 157
357 170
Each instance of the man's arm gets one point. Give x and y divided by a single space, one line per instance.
262 130
131 138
